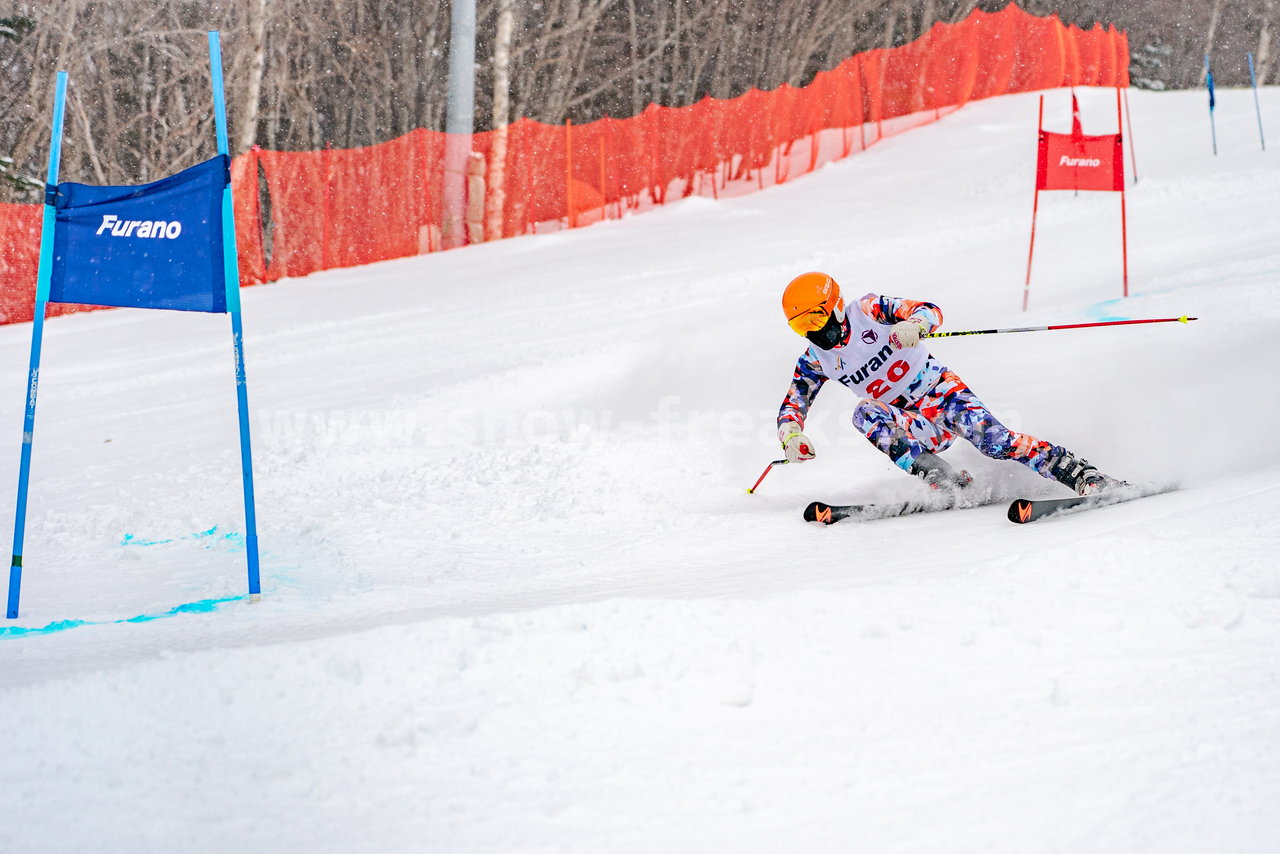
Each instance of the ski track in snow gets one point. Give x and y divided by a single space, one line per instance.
517 599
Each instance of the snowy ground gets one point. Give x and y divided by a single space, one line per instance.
517 599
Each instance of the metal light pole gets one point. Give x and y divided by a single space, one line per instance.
459 118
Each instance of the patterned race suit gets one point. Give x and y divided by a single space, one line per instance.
931 410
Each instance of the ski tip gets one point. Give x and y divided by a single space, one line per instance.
818 512
1020 511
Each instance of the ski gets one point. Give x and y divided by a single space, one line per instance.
1025 510
829 514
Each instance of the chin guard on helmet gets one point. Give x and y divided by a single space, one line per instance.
832 334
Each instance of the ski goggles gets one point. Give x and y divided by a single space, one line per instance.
810 321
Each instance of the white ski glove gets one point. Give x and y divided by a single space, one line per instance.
797 446
906 333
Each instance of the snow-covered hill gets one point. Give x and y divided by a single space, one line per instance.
517 598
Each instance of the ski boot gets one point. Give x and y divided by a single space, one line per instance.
1078 474
937 474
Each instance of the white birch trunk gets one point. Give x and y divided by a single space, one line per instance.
257 63
497 192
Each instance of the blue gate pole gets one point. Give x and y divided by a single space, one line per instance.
1253 80
1213 127
37 340
231 271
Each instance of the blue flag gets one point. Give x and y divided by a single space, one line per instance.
1208 79
157 245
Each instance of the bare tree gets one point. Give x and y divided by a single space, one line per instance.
497 196
303 74
257 61
1263 52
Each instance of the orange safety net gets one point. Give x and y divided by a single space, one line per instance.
299 212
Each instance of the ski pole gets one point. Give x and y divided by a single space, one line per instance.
767 469
1183 319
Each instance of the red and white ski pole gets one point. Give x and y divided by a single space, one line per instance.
1183 319
767 469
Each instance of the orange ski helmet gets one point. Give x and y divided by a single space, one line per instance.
809 302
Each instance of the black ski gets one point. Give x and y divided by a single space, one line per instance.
829 514
1025 510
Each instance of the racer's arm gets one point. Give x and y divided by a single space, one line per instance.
891 310
805 383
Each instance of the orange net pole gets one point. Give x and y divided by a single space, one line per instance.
568 171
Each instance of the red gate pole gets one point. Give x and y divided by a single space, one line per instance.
1035 208
1133 154
1124 242
1124 220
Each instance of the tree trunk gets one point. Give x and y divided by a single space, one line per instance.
497 195
1263 54
1214 15
257 62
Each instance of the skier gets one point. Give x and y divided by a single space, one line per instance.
912 407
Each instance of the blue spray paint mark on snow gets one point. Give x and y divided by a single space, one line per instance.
204 606
129 540
233 538
57 626
1103 311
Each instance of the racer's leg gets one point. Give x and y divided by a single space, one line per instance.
901 434
960 410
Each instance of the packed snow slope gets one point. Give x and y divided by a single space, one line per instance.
516 597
